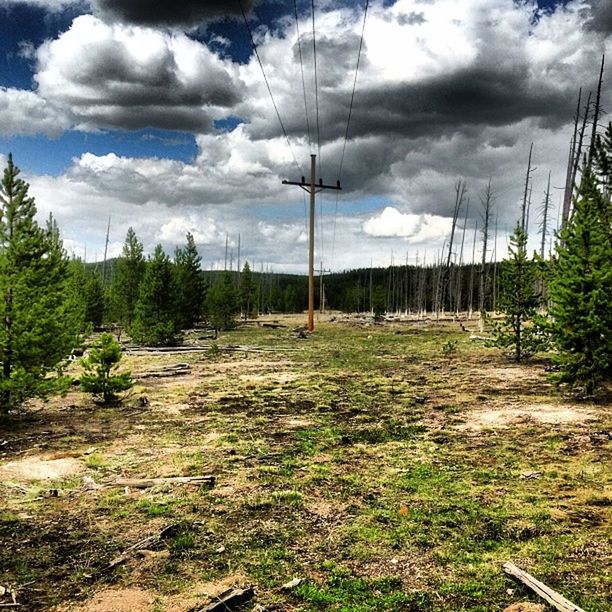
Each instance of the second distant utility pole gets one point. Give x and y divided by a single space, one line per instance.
312 188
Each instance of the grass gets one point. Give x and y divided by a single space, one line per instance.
356 462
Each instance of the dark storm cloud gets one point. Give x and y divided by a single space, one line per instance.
449 102
443 105
143 116
600 18
170 12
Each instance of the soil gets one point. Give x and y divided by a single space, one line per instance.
551 414
30 469
367 463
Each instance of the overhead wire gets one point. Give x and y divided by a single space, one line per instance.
348 121
316 87
297 28
316 82
263 72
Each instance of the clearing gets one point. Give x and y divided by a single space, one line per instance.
363 460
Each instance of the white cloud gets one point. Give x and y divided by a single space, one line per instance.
460 91
113 75
26 113
417 228
203 229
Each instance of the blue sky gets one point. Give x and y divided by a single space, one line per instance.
165 122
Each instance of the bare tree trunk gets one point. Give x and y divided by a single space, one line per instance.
458 287
444 278
569 187
487 202
576 162
545 218
596 113
495 267
526 192
472 274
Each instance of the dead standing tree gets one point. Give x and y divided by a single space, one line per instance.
526 194
445 273
544 218
487 204
459 276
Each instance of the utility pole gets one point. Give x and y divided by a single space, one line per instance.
322 297
313 188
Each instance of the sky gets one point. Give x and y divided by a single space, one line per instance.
158 116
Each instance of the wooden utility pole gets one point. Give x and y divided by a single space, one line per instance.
313 188
322 272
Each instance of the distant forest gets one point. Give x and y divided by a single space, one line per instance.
395 289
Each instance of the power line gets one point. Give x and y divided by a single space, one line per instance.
348 121
263 72
297 28
314 53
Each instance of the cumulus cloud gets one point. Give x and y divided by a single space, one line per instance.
130 77
26 113
169 12
418 228
446 89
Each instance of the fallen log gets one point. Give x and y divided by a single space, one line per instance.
146 483
230 348
552 597
166 532
179 369
228 601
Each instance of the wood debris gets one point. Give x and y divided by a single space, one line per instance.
291 584
228 601
146 483
178 369
556 600
167 532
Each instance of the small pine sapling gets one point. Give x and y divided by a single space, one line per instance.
519 301
98 378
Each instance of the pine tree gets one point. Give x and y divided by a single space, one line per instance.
129 275
155 317
189 283
518 300
98 377
93 294
581 290
247 290
40 318
222 303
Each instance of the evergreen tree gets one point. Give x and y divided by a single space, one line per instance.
518 301
189 284
99 365
94 297
222 303
581 289
129 275
40 317
247 290
155 317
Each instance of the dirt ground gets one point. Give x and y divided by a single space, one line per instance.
381 471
